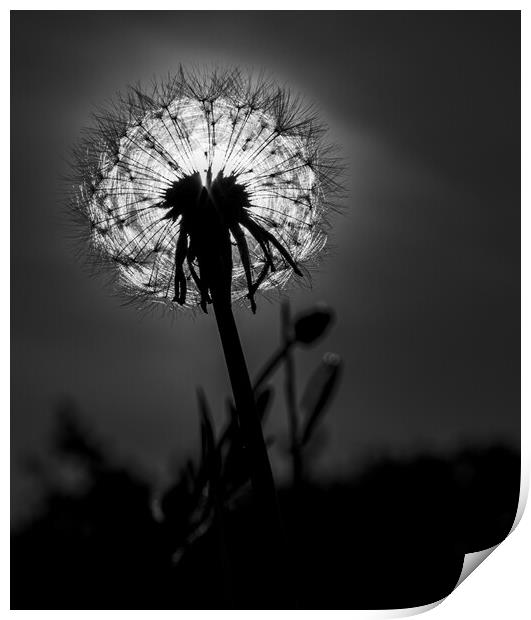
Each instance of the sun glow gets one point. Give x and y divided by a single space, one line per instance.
262 139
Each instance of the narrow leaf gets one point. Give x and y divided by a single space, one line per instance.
319 392
263 402
209 454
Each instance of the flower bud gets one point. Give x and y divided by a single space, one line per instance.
310 326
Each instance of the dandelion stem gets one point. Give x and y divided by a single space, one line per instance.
260 469
258 461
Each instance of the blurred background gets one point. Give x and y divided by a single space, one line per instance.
423 269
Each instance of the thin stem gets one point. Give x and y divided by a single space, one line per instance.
261 474
275 360
291 398
271 529
210 237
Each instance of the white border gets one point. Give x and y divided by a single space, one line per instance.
499 587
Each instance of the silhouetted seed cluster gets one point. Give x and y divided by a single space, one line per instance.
136 170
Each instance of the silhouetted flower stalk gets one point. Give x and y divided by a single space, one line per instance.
205 493
318 395
307 329
201 191
291 395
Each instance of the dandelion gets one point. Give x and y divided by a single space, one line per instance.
202 191
203 160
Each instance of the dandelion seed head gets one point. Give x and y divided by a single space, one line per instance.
148 159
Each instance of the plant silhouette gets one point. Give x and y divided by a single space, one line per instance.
390 535
201 191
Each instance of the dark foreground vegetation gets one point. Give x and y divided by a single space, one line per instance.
393 535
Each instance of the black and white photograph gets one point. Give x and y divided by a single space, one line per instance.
265 306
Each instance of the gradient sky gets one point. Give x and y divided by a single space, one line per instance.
424 271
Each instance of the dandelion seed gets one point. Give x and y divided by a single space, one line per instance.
199 142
